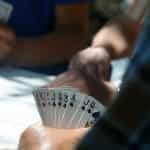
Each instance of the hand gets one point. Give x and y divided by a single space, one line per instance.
38 137
103 91
94 62
7 41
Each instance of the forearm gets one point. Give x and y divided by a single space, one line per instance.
49 49
117 36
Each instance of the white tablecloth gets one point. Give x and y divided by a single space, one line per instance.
17 106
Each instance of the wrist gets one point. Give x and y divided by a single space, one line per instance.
103 51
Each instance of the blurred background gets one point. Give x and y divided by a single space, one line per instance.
101 11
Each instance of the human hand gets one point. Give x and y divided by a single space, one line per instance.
94 62
103 91
7 41
39 137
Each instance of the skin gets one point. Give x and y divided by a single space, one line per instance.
70 36
94 61
115 40
85 82
50 139
39 137
86 85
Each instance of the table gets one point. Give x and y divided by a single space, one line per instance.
17 106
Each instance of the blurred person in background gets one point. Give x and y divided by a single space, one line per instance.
36 33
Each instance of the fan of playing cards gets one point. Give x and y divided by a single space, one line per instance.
67 108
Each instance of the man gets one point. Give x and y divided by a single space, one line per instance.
117 39
53 137
41 33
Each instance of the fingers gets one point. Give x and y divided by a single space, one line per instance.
103 72
93 62
75 62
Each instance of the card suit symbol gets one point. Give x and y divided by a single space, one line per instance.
92 104
96 115
71 104
59 104
86 103
43 104
83 108
89 111
64 105
66 98
54 104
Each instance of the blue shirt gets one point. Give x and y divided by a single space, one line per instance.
32 18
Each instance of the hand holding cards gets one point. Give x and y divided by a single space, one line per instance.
67 108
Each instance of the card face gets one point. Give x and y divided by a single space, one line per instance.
95 111
72 105
66 97
48 112
45 101
41 103
85 107
53 103
59 104
89 111
65 102
51 107
5 11
84 102
67 108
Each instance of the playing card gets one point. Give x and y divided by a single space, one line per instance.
49 97
60 98
94 111
72 105
5 11
44 100
59 104
52 109
62 111
41 103
67 108
85 112
84 102
53 103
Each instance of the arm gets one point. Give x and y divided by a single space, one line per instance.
117 36
69 37
116 39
